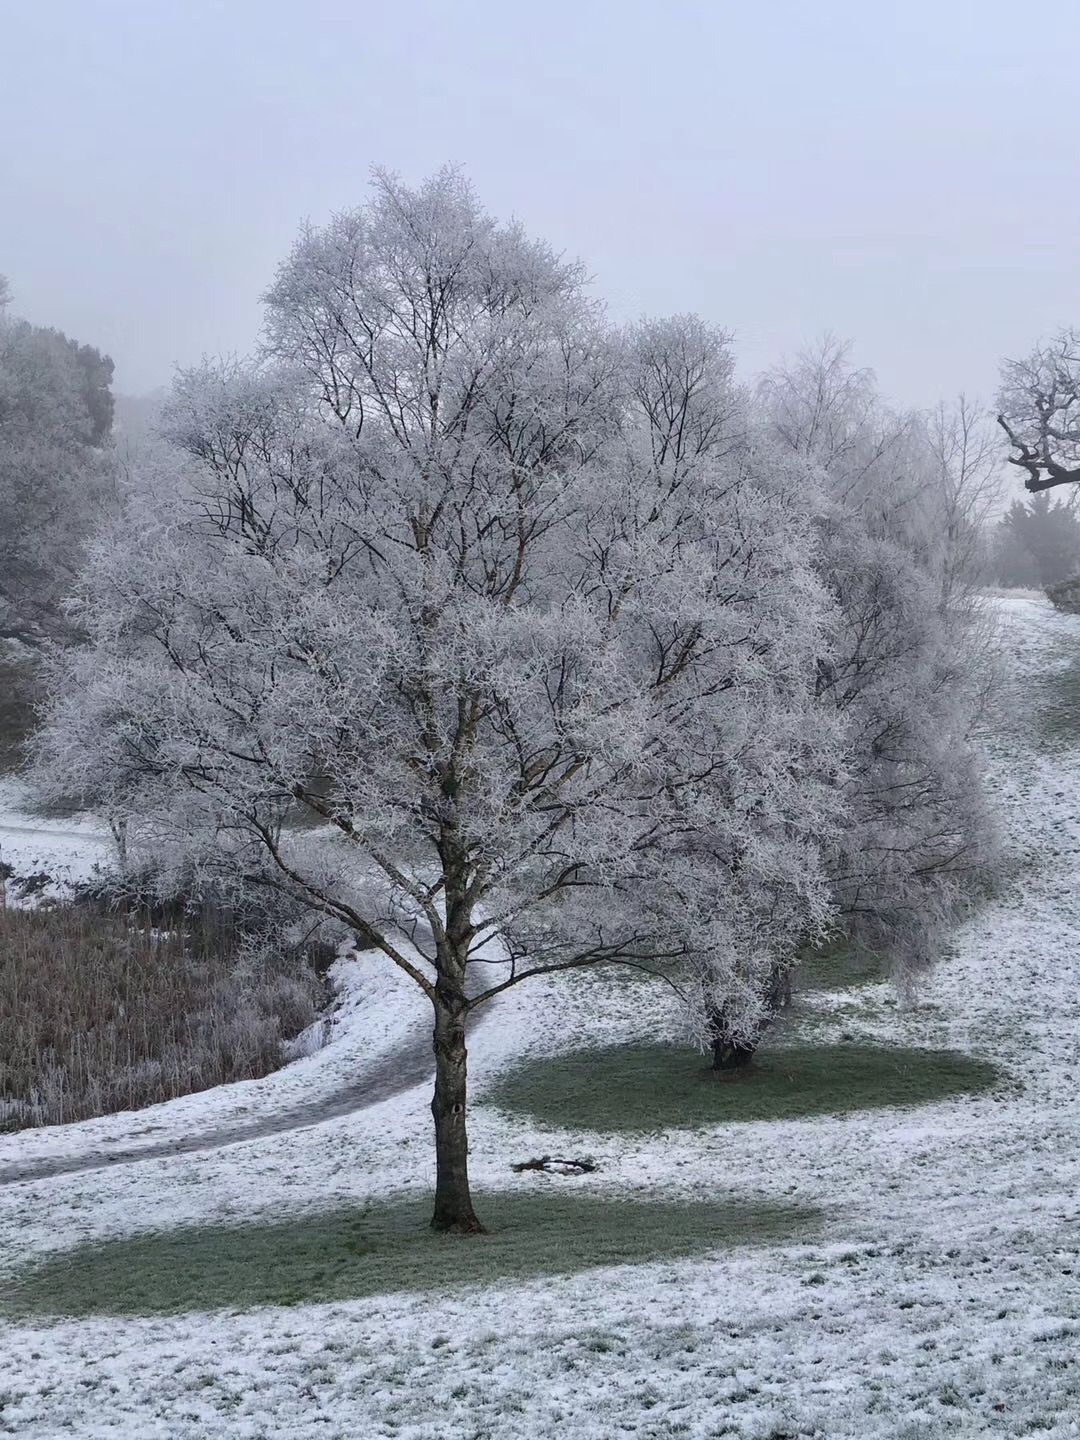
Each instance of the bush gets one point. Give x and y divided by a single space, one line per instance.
1065 595
102 1012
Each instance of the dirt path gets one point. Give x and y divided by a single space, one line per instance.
43 832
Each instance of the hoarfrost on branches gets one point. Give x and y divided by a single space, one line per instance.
1039 411
904 497
475 624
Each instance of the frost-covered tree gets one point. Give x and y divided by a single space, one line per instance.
903 495
687 422
55 413
966 482
503 600
1039 410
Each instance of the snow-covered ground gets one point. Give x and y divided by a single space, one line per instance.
68 851
942 1297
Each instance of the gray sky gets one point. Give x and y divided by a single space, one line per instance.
901 172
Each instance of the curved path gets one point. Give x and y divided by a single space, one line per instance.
48 832
408 1064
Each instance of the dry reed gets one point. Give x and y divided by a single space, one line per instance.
102 1012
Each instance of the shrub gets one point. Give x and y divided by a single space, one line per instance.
1065 595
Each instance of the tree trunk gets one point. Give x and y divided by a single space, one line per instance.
453 1203
731 1054
779 989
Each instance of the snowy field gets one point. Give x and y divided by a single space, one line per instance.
68 850
941 1296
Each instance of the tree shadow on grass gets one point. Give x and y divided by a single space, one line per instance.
660 1087
349 1254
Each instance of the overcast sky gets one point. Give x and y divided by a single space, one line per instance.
900 172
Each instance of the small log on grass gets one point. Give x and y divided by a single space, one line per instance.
554 1165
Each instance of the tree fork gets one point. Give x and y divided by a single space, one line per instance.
731 1056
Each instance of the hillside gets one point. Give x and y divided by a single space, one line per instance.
923 1283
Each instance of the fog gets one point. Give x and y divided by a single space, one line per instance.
900 175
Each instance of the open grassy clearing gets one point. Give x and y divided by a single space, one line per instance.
383 1249
659 1087
834 965
837 965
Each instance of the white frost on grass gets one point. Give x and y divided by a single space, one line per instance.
941 1299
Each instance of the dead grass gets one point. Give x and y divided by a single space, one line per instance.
101 1012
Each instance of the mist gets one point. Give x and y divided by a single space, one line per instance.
539 720
891 174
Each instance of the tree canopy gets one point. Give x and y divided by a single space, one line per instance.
506 598
55 421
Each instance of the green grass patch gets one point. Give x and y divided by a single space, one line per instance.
837 965
657 1087
349 1254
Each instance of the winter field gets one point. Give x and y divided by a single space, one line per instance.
911 1273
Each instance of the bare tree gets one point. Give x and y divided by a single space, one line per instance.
1039 411
968 491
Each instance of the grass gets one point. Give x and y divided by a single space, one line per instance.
350 1254
837 965
1058 716
657 1087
